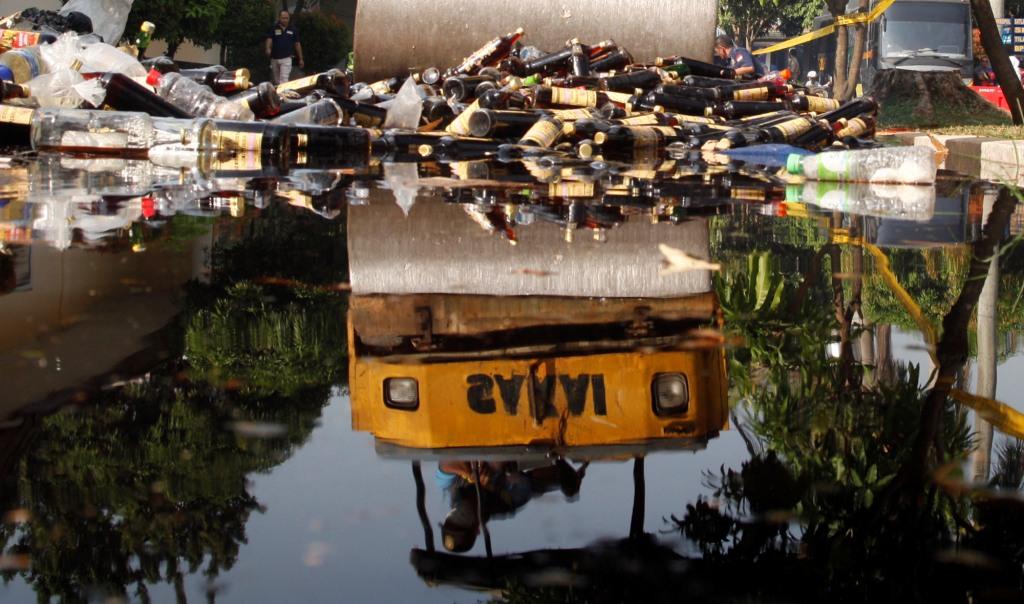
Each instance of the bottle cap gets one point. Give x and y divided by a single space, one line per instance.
153 77
793 191
147 27
6 73
794 163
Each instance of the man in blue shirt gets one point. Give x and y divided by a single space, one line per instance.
282 44
739 58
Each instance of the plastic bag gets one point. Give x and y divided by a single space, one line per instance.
108 16
57 88
61 53
406 108
104 58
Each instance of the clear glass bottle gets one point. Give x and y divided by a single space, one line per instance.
196 99
120 132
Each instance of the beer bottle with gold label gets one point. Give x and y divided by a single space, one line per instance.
698 68
813 104
544 96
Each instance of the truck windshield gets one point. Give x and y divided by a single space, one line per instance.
924 28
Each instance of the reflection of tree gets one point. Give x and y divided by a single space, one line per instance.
148 482
854 465
147 486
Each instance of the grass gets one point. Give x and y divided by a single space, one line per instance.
956 120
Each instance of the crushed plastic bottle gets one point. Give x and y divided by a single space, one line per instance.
897 165
196 99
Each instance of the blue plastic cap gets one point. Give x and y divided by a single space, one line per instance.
6 73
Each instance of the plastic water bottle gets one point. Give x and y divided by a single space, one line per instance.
21 64
196 99
898 165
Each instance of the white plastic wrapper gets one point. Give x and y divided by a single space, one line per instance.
57 88
101 57
108 16
62 53
405 109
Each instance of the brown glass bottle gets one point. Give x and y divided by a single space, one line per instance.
363 114
261 99
502 98
643 79
812 104
436 108
568 97
732 110
698 68
616 59
334 81
675 104
491 123
10 90
545 132
462 88
851 109
579 59
263 139
488 54
125 94
328 146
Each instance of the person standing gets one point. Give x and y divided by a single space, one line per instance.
738 58
282 43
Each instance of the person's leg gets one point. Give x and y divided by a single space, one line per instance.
275 72
286 69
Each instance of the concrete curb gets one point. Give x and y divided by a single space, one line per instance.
995 159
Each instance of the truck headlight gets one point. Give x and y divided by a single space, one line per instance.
402 393
671 394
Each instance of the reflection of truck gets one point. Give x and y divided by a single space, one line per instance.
918 35
478 369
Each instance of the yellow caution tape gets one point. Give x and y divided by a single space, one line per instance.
840 21
1002 416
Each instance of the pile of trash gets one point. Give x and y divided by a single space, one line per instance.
584 120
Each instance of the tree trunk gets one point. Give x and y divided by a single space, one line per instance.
992 41
172 48
860 35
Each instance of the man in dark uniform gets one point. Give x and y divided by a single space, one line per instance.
282 44
738 58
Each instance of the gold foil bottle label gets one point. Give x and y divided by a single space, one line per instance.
544 133
15 115
460 125
571 188
854 127
792 128
299 84
647 119
751 94
574 97
620 98
572 114
230 140
818 104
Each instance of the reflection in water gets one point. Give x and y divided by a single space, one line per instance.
512 334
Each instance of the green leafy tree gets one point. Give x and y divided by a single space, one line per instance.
197 21
746 20
326 40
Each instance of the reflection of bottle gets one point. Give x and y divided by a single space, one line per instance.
194 98
114 131
905 202
904 165
15 124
